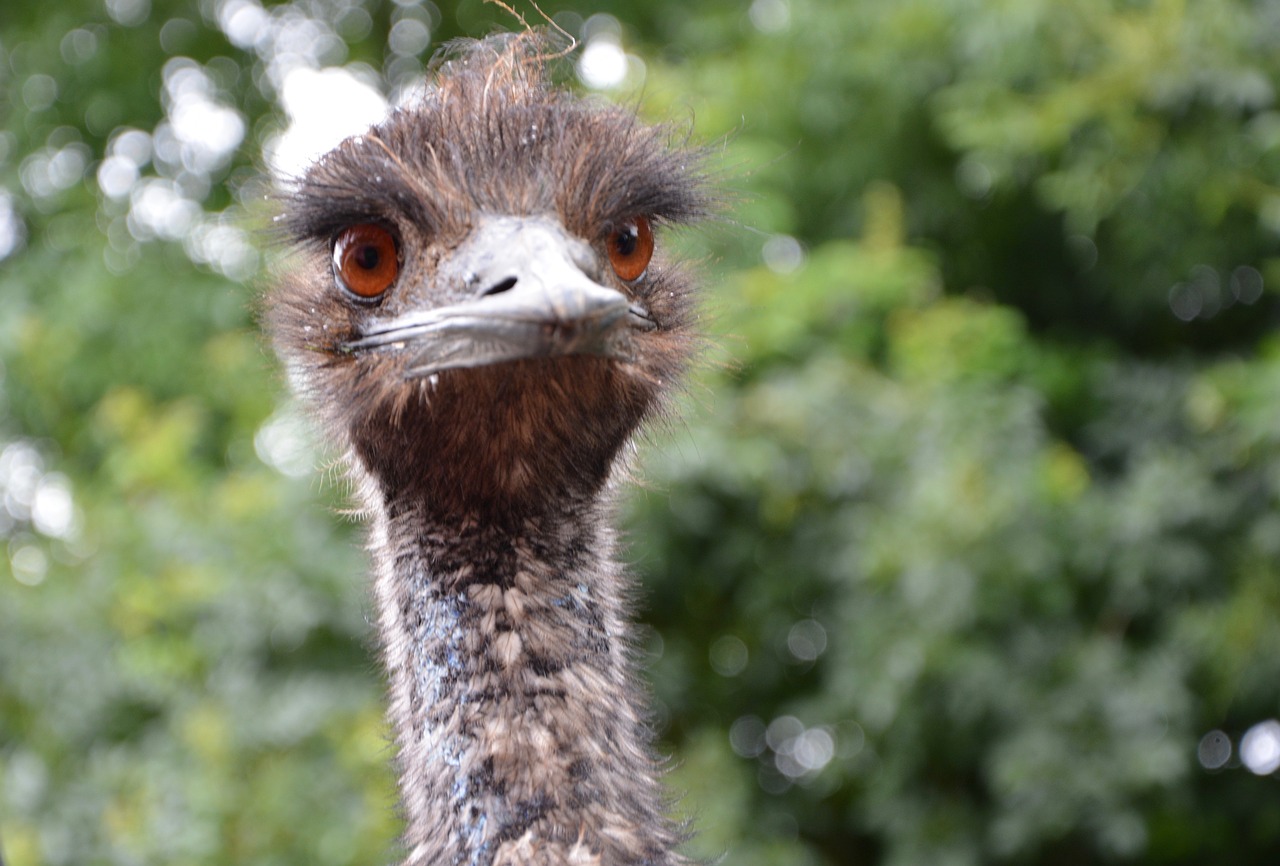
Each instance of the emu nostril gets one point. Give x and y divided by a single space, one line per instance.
499 287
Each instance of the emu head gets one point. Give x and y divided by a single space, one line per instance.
479 309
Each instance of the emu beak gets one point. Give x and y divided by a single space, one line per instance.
533 293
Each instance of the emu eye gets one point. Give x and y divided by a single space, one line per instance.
365 261
630 248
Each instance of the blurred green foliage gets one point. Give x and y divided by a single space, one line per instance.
965 553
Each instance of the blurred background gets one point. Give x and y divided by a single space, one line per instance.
966 552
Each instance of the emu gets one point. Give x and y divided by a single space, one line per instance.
480 318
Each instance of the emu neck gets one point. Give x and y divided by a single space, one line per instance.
513 700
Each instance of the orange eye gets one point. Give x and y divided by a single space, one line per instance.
630 248
365 261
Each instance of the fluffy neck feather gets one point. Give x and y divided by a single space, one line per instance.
513 698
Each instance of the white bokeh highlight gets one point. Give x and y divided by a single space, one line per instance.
324 108
1260 748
